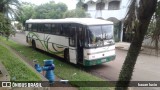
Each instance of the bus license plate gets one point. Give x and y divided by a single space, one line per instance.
103 60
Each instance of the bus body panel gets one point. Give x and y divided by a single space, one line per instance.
99 55
58 40
57 44
73 55
45 42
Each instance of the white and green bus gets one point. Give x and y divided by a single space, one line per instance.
85 41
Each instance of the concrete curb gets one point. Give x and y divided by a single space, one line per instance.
125 47
5 75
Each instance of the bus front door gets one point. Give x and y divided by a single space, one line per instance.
72 45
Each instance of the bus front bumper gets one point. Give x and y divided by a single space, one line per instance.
98 61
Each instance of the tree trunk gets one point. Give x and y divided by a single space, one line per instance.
145 12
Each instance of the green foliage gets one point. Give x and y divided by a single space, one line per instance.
45 11
15 67
153 31
156 32
76 13
154 23
25 13
50 11
80 4
18 26
5 26
9 7
151 28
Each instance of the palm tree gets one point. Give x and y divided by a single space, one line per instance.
9 7
138 18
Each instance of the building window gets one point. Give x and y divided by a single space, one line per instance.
85 7
114 5
100 6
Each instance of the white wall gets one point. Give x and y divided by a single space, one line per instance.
119 14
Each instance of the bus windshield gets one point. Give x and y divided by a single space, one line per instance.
98 34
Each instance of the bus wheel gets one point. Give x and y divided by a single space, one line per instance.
66 54
33 44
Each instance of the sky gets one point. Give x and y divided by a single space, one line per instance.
70 3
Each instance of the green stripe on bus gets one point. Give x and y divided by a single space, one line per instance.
98 61
29 34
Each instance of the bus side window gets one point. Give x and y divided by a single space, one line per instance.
80 35
61 30
40 28
65 29
29 27
72 36
34 27
86 37
47 28
55 29
26 27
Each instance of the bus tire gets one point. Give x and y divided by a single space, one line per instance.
66 54
33 44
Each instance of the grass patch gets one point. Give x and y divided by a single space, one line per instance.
62 70
15 67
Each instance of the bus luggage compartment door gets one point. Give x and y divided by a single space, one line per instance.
73 55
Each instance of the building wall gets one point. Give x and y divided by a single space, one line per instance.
112 15
105 14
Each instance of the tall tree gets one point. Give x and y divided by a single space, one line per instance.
25 13
5 26
80 4
138 19
7 8
76 13
50 10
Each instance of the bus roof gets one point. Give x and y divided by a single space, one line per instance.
84 21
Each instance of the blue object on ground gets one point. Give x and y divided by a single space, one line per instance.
38 68
49 67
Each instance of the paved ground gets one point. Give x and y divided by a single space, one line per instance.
20 38
144 50
146 69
